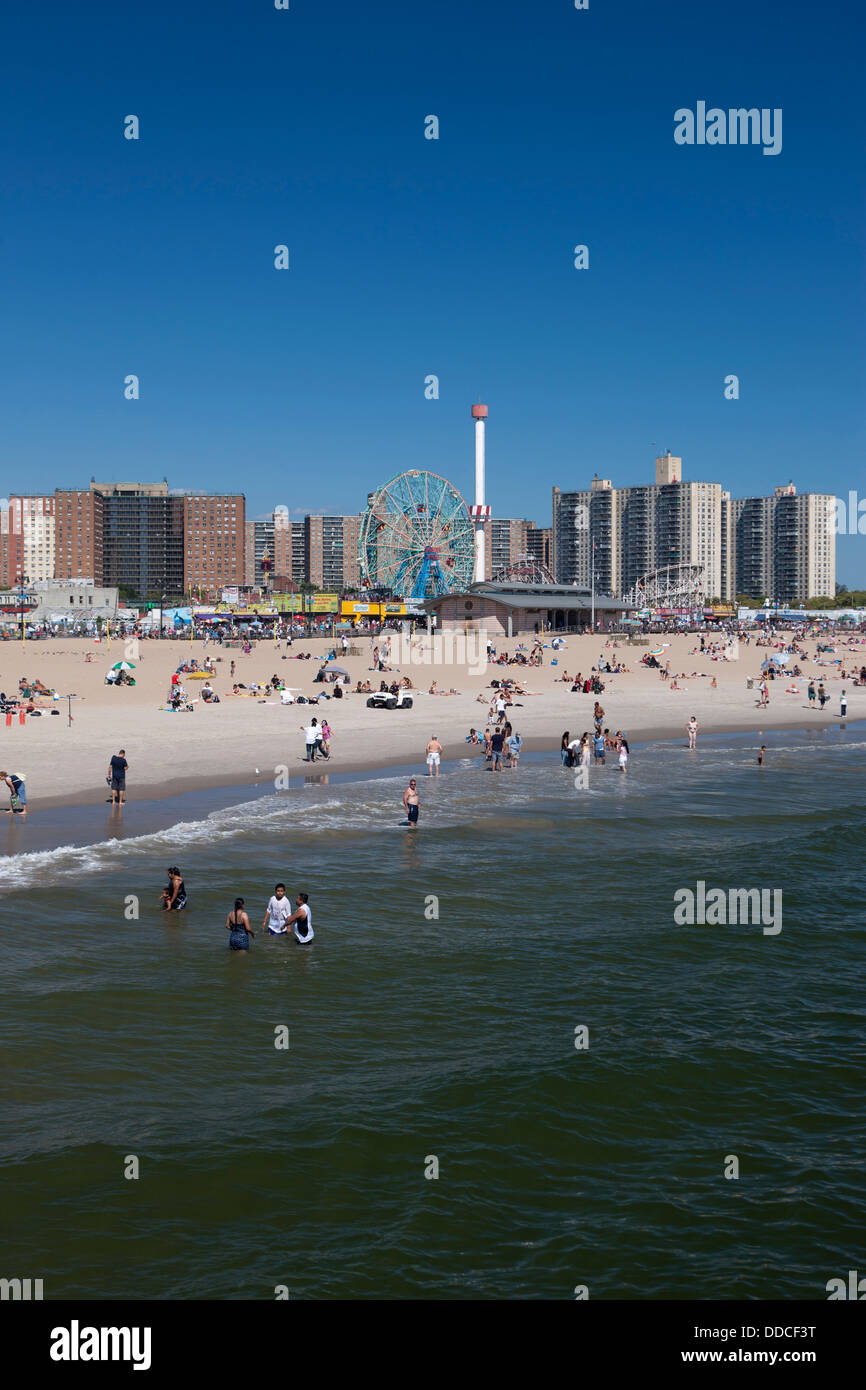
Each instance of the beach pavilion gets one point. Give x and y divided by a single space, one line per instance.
508 609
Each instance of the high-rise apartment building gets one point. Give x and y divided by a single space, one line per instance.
282 555
539 544
298 540
32 518
785 546
621 534
143 530
11 554
753 536
781 547
214 538
78 534
805 550
272 534
504 543
331 551
585 536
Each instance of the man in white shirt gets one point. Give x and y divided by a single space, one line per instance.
301 921
278 912
311 735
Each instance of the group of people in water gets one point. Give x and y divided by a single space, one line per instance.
280 917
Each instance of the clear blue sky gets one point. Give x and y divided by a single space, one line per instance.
411 256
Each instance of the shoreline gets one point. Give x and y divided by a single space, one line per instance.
64 826
533 743
248 744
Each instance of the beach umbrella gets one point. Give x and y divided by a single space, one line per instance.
123 666
656 651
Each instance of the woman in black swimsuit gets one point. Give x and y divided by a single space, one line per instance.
174 894
238 927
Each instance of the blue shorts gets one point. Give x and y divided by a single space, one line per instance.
412 814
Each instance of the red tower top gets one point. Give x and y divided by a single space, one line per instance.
479 412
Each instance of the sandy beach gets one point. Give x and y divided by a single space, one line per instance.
243 738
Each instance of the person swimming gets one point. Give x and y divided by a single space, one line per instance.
238 927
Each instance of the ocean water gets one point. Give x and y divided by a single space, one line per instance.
415 1036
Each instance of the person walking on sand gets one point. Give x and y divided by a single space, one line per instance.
117 776
311 736
238 928
411 803
326 733
811 692
17 795
434 753
692 731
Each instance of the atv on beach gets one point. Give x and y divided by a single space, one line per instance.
383 699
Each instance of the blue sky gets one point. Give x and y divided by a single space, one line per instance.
411 256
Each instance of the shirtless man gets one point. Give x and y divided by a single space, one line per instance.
411 803
434 750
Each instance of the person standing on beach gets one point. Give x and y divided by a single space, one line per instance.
843 705
822 695
496 748
17 795
277 912
434 753
811 692
238 927
599 747
411 803
311 735
117 776
692 731
515 743
564 748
